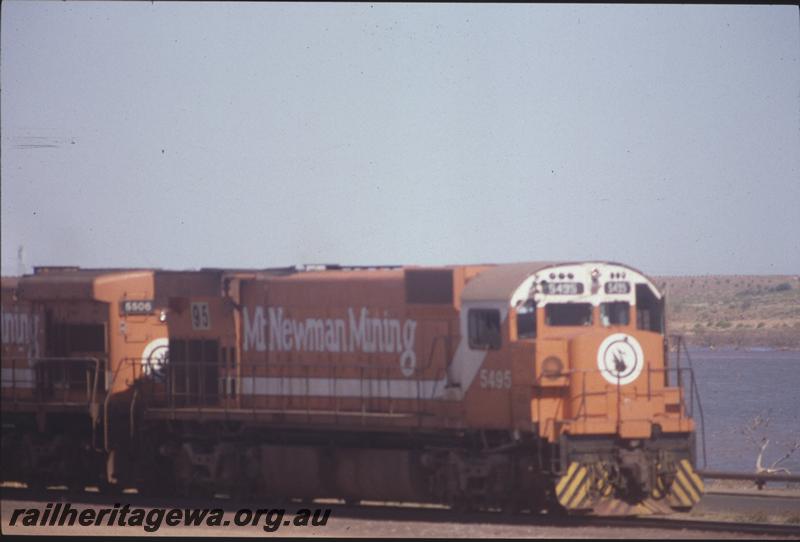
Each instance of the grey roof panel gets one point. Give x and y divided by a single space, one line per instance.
498 283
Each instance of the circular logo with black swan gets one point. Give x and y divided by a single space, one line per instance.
155 357
620 359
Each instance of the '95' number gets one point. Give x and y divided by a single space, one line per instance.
496 379
200 316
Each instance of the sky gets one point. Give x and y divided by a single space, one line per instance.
184 135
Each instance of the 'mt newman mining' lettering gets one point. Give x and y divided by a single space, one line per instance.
360 332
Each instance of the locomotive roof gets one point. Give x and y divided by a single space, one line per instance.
9 282
72 283
500 281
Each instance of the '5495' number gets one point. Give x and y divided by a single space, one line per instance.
495 378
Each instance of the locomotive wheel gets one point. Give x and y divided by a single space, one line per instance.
157 477
13 454
512 506
156 483
462 505
30 471
107 488
182 467
70 463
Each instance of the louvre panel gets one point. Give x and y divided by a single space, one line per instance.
429 286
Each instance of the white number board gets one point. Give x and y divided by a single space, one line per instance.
562 288
201 318
617 287
132 306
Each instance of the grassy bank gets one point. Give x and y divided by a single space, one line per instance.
734 310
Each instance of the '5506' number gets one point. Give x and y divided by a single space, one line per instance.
495 378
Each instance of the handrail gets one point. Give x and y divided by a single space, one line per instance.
38 394
759 478
581 396
35 381
192 392
694 392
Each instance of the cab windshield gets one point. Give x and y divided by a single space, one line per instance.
616 313
568 314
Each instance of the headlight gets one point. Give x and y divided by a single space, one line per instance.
552 367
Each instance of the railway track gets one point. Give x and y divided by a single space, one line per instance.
703 525
414 512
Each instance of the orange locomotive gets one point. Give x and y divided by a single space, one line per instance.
65 333
533 386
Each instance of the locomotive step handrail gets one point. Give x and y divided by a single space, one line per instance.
582 395
45 402
202 401
36 383
681 342
293 412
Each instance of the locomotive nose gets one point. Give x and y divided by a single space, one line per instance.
608 384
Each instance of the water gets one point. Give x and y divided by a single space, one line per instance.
737 386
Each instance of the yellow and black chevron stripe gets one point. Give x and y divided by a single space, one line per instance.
572 489
587 487
686 490
604 487
618 507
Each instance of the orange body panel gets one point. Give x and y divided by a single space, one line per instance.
347 332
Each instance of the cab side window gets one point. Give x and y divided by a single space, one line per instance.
649 310
484 329
526 320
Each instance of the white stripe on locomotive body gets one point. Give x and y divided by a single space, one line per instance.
372 388
467 362
18 378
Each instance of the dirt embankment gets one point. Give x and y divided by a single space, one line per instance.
734 310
